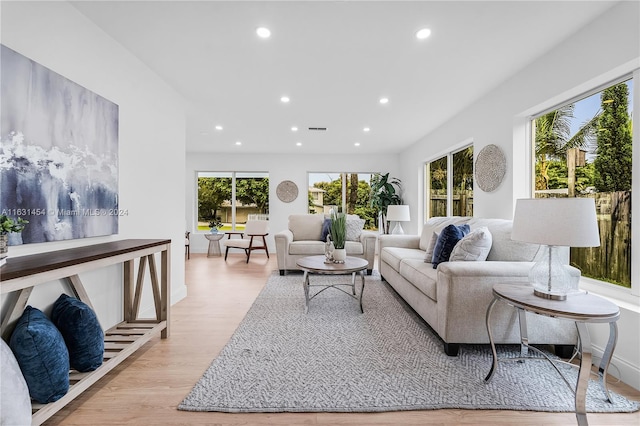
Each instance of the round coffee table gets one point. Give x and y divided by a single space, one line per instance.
317 265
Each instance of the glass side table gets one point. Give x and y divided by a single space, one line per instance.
582 308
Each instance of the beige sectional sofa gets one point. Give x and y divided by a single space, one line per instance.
453 298
303 238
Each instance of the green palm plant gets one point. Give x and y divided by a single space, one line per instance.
553 138
385 192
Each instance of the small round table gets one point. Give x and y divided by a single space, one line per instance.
214 243
582 308
317 265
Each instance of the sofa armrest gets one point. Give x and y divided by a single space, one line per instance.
283 239
404 241
465 290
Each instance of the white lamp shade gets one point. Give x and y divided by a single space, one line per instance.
556 222
398 213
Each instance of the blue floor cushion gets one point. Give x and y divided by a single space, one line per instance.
82 332
42 356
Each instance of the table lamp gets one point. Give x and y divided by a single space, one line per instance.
398 213
555 222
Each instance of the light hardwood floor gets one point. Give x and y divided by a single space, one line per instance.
147 387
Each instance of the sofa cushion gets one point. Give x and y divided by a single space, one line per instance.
42 355
354 229
421 275
308 248
81 330
475 246
448 238
503 247
394 255
306 227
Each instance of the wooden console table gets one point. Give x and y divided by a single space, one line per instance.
21 274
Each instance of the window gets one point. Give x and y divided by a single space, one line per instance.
449 184
229 199
329 191
584 149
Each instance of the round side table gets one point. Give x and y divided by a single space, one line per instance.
582 308
214 243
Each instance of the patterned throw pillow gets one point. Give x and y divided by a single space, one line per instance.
475 246
354 229
447 240
42 356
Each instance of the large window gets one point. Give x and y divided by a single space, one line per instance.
584 149
329 191
229 199
449 184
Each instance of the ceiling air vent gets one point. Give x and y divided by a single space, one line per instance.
322 129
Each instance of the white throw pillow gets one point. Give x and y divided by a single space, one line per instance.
15 404
354 229
474 247
428 256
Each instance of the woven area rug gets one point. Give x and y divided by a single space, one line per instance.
336 359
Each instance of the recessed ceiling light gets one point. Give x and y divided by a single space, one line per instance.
384 100
294 129
263 32
423 33
284 99
298 143
357 144
366 129
238 143
218 127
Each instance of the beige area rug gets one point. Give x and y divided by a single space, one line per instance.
336 359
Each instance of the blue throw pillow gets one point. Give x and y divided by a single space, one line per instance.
326 229
81 330
42 356
447 240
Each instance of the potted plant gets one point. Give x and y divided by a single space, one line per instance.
338 236
215 224
8 225
385 192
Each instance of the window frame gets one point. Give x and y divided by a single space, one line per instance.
233 175
523 131
427 181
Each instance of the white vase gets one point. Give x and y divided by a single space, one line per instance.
339 255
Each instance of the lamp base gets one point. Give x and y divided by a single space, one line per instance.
549 296
398 229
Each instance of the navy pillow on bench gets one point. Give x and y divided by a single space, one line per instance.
447 240
42 356
81 330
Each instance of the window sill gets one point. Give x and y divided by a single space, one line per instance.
619 295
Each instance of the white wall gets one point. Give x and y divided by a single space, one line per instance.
292 167
608 45
151 140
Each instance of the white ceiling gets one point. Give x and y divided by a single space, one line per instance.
334 59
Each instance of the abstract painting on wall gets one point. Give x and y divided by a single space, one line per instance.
58 154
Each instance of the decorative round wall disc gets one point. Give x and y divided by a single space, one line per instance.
491 165
287 191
